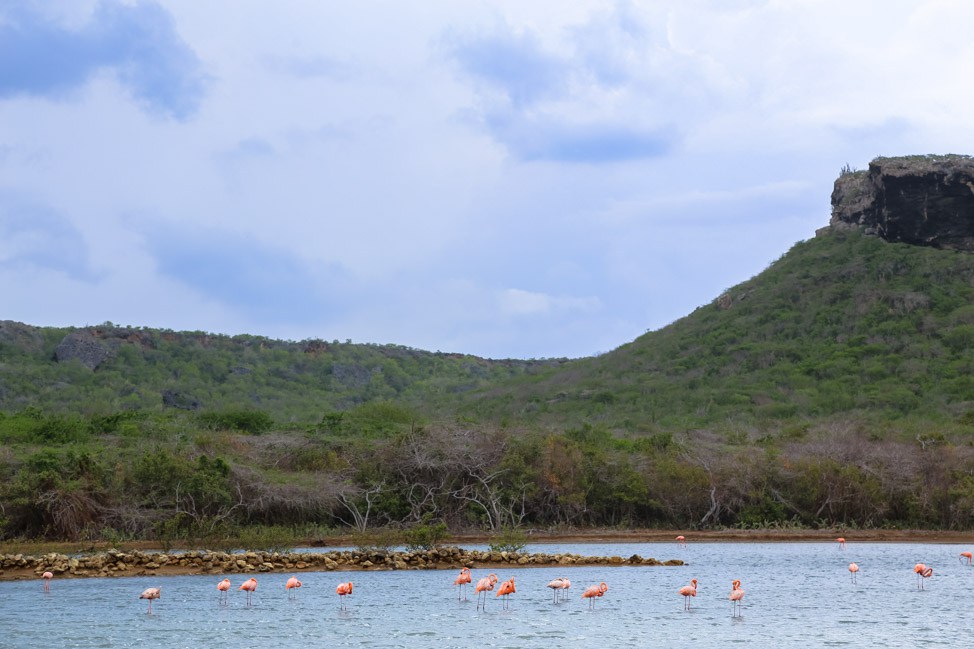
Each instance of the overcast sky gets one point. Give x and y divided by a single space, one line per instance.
506 178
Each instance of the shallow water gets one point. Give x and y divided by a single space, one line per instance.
798 594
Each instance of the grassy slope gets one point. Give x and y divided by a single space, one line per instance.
843 325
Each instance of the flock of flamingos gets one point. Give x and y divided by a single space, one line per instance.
559 586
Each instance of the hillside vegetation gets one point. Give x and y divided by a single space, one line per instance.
832 390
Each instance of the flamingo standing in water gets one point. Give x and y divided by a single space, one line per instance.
923 571
682 541
462 580
853 568
343 590
559 585
736 595
688 591
150 594
841 542
963 555
250 586
483 585
291 587
224 588
506 589
594 591
47 577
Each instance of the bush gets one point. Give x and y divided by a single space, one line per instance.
510 539
254 422
426 536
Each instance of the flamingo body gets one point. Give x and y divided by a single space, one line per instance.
688 591
343 590
250 586
853 568
462 580
47 577
150 594
594 591
485 585
964 555
736 596
224 588
293 583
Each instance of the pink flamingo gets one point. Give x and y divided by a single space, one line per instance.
291 587
923 571
462 580
150 594
505 590
964 555
483 586
558 585
343 590
47 577
736 596
853 568
594 591
841 542
250 586
682 541
224 588
688 591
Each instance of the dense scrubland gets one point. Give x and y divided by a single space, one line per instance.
833 390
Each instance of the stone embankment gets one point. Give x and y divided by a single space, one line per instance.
121 564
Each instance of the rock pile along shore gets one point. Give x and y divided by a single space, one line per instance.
121 564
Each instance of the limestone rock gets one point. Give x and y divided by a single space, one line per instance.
84 348
920 200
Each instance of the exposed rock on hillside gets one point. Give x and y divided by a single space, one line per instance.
84 348
921 200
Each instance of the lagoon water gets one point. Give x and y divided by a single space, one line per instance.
798 595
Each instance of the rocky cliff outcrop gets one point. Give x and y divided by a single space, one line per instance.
84 348
921 200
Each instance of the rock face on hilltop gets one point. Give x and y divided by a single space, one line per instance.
921 200
84 348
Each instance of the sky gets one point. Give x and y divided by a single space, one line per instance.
507 179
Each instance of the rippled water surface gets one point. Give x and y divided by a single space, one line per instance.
798 594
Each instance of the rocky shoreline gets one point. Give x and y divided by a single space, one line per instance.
115 563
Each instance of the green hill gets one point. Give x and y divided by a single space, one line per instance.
834 389
842 326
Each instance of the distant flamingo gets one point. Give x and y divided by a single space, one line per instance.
47 577
841 542
291 587
558 586
736 595
343 590
462 580
682 541
853 568
688 591
224 588
150 594
594 591
250 586
483 585
964 555
923 571
505 590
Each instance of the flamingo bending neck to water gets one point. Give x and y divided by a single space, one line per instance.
47 577
682 541
963 555
736 595
923 571
483 585
688 591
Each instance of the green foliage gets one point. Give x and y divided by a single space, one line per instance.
509 539
250 421
426 535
